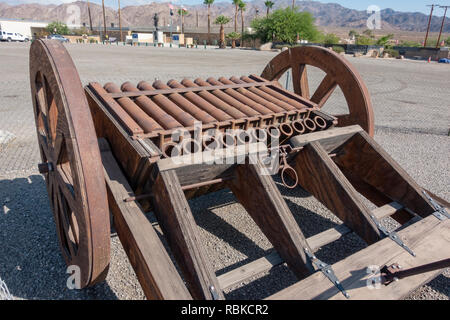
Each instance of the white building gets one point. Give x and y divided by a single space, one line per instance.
26 27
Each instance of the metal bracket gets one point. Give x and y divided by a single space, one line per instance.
392 235
440 212
214 294
327 270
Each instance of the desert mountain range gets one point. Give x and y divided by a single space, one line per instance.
327 15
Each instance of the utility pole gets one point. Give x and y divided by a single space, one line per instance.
196 13
104 19
429 23
89 13
442 25
120 25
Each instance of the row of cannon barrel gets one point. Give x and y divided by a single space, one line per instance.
272 135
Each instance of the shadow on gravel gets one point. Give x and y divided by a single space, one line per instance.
30 260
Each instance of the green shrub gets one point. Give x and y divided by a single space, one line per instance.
393 53
331 38
285 24
338 49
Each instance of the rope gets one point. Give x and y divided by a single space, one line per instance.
4 292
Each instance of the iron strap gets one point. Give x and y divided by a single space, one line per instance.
392 235
440 212
214 294
327 270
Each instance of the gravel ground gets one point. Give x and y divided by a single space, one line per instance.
412 114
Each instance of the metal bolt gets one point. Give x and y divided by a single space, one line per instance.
45 167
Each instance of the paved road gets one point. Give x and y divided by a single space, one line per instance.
412 113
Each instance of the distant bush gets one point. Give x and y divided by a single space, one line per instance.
57 27
364 41
385 39
393 53
411 44
338 49
331 38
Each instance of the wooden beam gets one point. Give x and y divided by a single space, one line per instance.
182 234
375 196
320 176
155 271
209 165
328 139
363 157
315 242
430 240
256 191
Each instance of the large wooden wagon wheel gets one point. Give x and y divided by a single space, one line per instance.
71 160
338 73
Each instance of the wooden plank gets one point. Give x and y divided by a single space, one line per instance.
225 156
249 270
128 152
315 242
375 196
256 191
209 165
430 240
363 157
320 176
182 234
188 89
328 139
155 271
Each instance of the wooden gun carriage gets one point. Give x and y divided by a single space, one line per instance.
123 151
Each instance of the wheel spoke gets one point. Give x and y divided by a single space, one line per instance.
345 120
43 142
57 148
66 187
40 95
300 80
64 222
324 91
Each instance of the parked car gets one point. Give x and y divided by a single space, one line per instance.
58 37
12 36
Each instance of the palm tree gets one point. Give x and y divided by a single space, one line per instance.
209 3
293 4
236 7
269 5
233 36
182 12
104 20
222 20
89 13
242 9
120 25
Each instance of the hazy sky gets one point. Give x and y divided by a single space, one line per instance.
402 5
